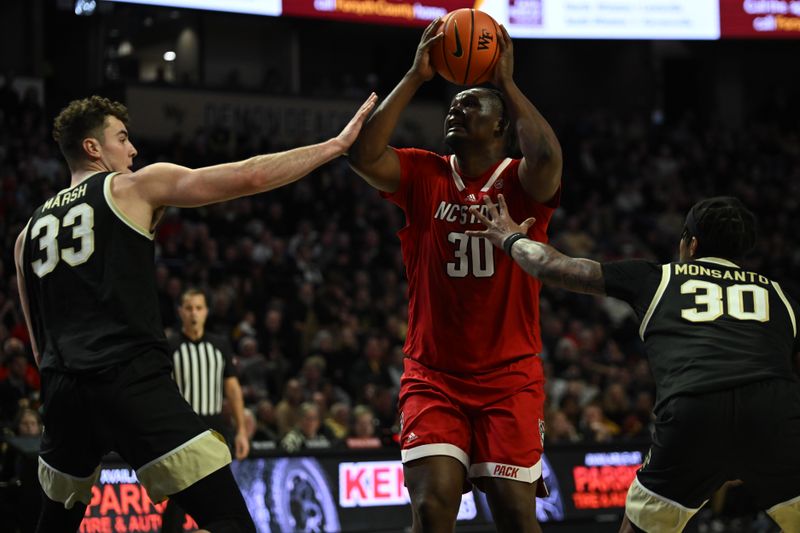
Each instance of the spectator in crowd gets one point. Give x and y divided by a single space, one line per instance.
338 420
371 368
363 433
16 389
253 369
287 412
595 426
559 429
266 423
306 433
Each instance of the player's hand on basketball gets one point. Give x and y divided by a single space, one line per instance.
350 132
241 445
422 66
499 224
504 68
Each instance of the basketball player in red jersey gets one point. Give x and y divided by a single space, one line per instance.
471 399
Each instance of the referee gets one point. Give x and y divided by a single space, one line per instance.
203 370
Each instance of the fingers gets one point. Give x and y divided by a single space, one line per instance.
477 233
365 109
491 207
368 104
503 39
506 36
429 42
480 216
430 28
527 225
502 201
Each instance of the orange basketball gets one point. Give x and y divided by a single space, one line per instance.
469 50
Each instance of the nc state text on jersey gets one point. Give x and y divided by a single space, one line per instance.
458 213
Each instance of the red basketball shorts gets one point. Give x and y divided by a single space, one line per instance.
492 423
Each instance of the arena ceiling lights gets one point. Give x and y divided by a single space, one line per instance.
549 19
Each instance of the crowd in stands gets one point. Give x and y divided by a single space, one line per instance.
308 284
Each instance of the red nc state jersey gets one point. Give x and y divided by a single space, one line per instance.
471 307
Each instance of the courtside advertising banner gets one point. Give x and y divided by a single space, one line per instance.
364 491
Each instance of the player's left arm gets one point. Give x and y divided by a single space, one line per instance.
536 258
23 294
542 162
233 392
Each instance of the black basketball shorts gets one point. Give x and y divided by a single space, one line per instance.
749 433
134 409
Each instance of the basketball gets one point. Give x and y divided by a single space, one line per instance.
469 50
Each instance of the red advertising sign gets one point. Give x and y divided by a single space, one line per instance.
602 481
120 505
760 18
401 12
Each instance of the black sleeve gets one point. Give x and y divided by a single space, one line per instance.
173 342
633 281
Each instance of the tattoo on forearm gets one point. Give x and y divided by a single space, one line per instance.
554 268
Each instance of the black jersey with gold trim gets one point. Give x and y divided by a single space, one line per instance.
90 279
708 324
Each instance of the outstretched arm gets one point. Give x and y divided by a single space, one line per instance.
165 184
371 157
23 294
536 258
540 169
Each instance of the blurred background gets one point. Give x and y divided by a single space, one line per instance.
657 103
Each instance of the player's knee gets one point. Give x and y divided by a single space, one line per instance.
520 512
517 515
435 506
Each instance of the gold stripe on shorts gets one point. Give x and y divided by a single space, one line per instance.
651 512
188 463
786 514
64 488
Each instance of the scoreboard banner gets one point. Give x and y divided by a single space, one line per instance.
402 12
760 18
548 19
364 491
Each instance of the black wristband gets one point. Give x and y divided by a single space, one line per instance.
510 240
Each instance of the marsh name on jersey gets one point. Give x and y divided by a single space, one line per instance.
65 197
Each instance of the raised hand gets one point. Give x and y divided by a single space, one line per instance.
350 132
498 224
504 69
422 66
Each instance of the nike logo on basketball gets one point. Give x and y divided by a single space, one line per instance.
458 52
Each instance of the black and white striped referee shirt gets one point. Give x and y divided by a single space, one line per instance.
200 368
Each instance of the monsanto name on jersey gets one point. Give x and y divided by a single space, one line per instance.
457 213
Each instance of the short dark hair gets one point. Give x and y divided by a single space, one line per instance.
84 118
508 132
724 227
193 291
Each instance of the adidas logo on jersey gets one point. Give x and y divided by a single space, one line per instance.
471 198
411 437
